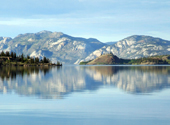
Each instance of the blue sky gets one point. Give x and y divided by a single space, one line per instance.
106 20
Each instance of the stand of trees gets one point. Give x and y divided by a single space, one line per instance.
22 58
148 59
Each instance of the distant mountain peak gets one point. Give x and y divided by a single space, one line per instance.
141 37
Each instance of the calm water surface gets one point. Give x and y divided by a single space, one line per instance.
86 95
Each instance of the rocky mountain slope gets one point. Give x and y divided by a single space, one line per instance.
134 47
106 59
54 45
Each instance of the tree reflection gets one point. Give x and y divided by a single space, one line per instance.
11 72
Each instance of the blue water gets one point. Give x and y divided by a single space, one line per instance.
86 95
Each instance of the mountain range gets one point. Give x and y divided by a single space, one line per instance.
134 47
54 45
58 46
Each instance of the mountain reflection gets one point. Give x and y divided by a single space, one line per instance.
134 79
56 82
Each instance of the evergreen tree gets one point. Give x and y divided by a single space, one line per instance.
44 59
12 54
7 53
28 57
2 53
58 63
22 57
32 60
36 60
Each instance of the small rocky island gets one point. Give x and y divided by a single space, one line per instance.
110 59
12 59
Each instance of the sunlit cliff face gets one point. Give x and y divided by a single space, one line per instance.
57 82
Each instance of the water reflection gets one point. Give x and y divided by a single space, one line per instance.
134 79
11 72
48 82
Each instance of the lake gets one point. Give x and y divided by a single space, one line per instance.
86 95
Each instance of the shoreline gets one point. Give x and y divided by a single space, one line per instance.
28 65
